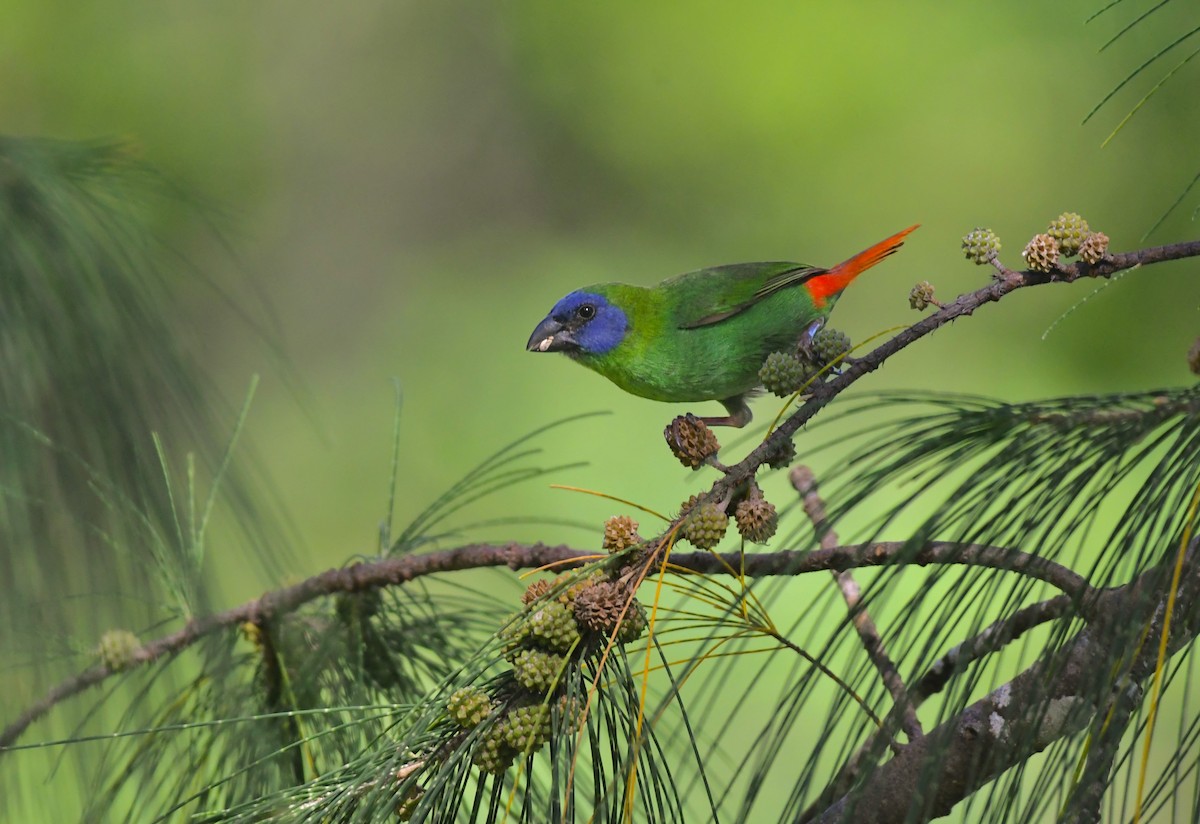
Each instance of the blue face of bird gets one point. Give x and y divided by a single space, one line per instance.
580 323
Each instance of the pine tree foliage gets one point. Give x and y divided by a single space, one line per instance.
339 710
90 369
99 507
1102 485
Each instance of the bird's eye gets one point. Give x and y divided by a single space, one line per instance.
586 311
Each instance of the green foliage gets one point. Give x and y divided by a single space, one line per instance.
90 369
1100 484
296 708
353 706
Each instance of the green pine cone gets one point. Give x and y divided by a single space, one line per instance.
633 625
536 670
569 712
527 729
578 583
830 345
980 245
552 625
1070 230
782 455
515 630
705 526
469 706
492 752
783 373
921 296
117 649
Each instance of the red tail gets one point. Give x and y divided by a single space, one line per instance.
838 277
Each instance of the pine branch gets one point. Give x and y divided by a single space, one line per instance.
885 553
1004 631
956 660
1053 698
356 578
363 577
1108 728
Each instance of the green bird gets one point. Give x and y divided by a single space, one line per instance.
700 336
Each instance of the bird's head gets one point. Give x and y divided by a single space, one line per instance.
582 323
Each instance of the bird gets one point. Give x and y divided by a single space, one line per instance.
703 335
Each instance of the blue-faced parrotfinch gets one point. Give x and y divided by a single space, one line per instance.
700 336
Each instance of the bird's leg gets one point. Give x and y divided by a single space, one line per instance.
739 413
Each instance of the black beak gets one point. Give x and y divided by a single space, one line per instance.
550 336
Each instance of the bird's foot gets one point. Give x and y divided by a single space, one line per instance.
805 345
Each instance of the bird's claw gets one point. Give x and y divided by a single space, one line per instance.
805 344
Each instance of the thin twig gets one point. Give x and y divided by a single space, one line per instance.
805 484
994 637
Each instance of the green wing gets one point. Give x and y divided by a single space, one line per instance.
710 296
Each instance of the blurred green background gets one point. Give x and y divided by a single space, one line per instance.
406 188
